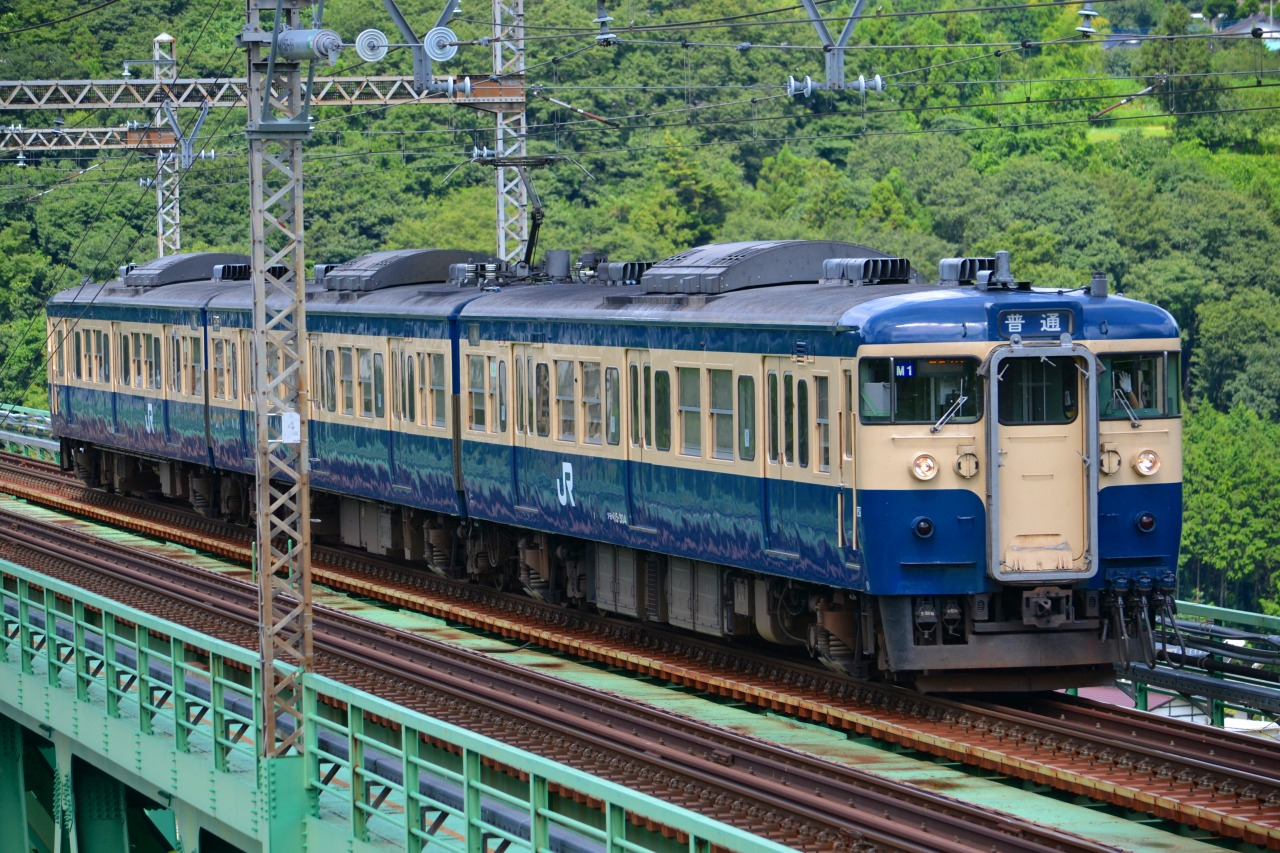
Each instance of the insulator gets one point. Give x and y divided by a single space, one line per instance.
795 87
449 87
481 153
874 85
371 45
441 44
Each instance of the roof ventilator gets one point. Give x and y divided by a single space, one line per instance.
723 267
173 269
231 272
963 271
398 267
624 273
865 271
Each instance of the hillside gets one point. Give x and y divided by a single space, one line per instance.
982 140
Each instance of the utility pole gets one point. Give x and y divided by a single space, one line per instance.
168 215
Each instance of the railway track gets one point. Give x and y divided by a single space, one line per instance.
1226 784
791 797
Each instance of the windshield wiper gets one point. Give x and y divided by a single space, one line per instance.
1120 397
949 413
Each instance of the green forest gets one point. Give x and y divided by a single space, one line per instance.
1149 155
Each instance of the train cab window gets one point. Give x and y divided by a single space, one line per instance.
347 359
612 401
662 410
475 390
721 413
821 392
1039 391
1139 385
565 399
746 418
919 390
690 407
592 404
543 402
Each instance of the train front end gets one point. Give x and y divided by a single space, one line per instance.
1020 492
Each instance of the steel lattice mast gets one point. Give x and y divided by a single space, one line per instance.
168 213
278 123
510 128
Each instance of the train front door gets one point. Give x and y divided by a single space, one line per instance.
1042 479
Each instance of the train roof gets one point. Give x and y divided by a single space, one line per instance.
802 285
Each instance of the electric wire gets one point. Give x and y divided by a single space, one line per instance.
71 17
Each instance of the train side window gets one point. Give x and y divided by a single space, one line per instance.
847 408
773 416
197 367
592 418
875 395
789 418
397 385
746 417
154 363
1141 385
317 377
330 380
690 408
543 402
565 399
140 342
633 375
475 389
219 370
529 395
647 401
78 353
437 389
126 360
501 394
347 359
364 359
102 355
721 409
802 422
175 362
612 399
60 359
519 393
821 392
411 388
662 410
379 385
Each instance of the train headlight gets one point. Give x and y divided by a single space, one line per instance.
925 467
1147 462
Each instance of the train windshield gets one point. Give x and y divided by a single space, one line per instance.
1039 391
1139 385
919 390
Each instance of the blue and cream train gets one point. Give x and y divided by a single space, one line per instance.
968 484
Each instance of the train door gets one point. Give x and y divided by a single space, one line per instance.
1043 482
531 387
643 440
786 425
845 402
